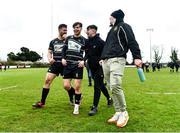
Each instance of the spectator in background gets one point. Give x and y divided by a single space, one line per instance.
0 67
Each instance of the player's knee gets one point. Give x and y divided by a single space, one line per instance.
77 88
77 91
47 82
67 86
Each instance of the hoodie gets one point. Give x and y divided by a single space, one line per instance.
93 53
120 39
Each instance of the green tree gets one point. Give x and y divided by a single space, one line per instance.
12 56
24 55
24 50
34 56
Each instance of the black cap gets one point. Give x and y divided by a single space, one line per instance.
118 14
92 27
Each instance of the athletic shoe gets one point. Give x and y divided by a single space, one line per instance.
109 102
38 105
114 118
93 111
123 119
76 109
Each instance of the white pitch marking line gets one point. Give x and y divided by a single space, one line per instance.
170 93
8 87
165 93
153 93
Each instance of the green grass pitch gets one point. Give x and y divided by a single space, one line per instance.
153 106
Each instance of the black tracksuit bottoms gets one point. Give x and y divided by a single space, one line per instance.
99 86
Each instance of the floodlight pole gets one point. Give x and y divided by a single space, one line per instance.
150 30
51 18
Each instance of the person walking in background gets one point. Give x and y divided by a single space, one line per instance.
5 67
73 61
147 66
119 40
56 67
93 54
0 67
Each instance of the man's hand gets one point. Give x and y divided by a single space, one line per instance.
138 62
85 63
81 64
51 60
100 62
64 62
64 36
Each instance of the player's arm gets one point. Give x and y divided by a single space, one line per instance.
85 48
64 62
50 57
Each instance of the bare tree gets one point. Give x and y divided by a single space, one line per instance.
174 54
158 52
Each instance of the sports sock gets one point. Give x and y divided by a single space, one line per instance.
45 92
71 93
77 98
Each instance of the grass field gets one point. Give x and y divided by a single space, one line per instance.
153 106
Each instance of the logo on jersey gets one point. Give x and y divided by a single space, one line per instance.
74 46
58 48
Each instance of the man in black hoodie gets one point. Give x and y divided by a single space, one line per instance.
119 40
93 54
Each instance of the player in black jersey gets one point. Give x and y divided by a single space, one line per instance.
73 61
56 67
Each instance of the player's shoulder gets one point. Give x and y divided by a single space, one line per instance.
83 37
54 40
69 37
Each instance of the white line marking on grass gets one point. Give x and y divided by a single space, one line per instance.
152 93
164 93
170 93
9 87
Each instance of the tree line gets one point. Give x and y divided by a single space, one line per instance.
24 55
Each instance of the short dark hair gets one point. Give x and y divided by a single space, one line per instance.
77 23
62 26
92 27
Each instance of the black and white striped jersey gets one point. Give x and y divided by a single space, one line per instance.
73 50
56 46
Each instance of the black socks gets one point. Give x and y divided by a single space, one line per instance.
71 93
45 92
77 98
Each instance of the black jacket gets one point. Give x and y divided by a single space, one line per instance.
119 40
93 52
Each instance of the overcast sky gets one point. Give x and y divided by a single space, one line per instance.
33 23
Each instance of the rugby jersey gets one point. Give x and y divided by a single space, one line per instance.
73 50
56 46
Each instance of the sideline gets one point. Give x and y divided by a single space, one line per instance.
8 87
164 93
